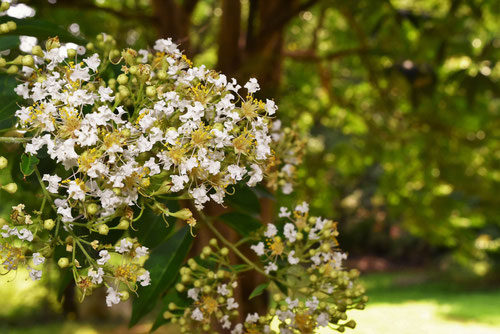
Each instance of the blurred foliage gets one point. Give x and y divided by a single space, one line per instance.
400 100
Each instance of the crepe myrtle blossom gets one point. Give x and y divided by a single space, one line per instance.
199 134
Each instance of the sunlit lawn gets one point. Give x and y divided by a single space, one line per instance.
403 303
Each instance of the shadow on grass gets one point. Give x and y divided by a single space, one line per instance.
455 302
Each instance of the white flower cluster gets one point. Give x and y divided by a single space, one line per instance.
16 239
187 127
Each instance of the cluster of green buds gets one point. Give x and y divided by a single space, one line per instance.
207 286
8 26
10 187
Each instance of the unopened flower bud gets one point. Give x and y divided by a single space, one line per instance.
124 295
4 28
37 51
11 188
151 91
3 162
213 242
63 262
276 297
90 46
224 251
92 208
48 224
122 79
52 43
183 214
167 315
103 229
133 70
162 75
123 225
206 251
13 69
3 222
11 25
172 306
179 287
3 62
71 53
4 6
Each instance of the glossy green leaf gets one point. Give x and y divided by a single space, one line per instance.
28 164
163 264
244 199
151 229
242 223
43 30
9 42
258 290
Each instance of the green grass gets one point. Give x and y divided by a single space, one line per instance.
402 303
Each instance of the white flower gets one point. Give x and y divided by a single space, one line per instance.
25 234
35 275
231 304
112 297
270 267
259 248
104 257
292 259
252 318
292 303
256 175
125 246
105 94
222 290
252 86
93 62
270 231
179 181
313 303
96 276
236 172
38 259
144 279
302 208
53 181
271 107
141 252
323 319
226 324
193 293
284 212
289 232
197 315
238 329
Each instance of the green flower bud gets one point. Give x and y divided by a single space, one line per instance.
103 229
3 62
300 236
325 247
133 70
277 297
123 225
3 162
192 264
162 75
122 79
48 224
150 91
4 6
90 46
71 53
172 306
92 208
224 251
63 262
185 278
197 283
313 278
117 191
167 315
52 43
179 287
3 222
207 289
11 25
206 250
4 28
11 188
13 69
183 214
124 295
129 56
37 51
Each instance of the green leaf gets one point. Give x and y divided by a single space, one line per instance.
28 163
163 264
9 42
172 296
242 223
43 30
9 101
244 199
258 290
152 229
